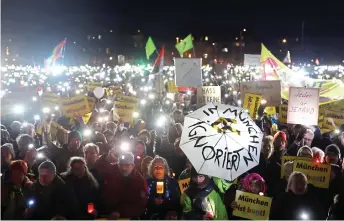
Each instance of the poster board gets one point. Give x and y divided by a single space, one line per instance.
208 94
270 90
252 59
317 174
252 104
188 72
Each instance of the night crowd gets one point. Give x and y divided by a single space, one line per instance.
113 170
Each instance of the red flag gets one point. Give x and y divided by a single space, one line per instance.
159 62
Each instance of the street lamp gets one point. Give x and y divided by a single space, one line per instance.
177 39
244 29
284 40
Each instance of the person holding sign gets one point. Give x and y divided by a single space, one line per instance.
297 203
305 152
164 196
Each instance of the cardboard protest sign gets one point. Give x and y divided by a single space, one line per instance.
188 72
317 174
208 94
91 102
283 113
183 184
92 85
252 206
50 99
124 110
86 118
113 90
303 106
128 99
270 110
252 104
252 59
290 158
171 87
270 90
333 119
75 106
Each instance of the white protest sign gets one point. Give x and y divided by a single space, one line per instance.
270 90
252 59
208 94
188 72
303 106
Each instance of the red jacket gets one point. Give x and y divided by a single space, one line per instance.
126 195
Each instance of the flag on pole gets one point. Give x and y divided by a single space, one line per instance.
150 47
185 45
287 59
58 52
159 62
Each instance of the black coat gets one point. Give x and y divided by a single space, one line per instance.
289 206
56 199
336 211
273 168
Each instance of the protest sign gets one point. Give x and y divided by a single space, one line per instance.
91 102
183 184
317 174
252 59
283 112
188 72
124 110
171 87
208 94
270 110
113 90
252 206
86 118
333 120
252 104
50 99
270 90
92 85
75 106
290 158
128 99
303 106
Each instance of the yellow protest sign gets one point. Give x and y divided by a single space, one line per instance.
114 90
92 85
183 184
128 99
171 87
86 118
333 119
252 206
270 110
283 113
317 174
334 105
252 104
285 159
75 106
50 99
124 110
91 102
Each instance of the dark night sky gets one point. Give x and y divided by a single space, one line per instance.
264 20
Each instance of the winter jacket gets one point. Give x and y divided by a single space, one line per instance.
63 156
293 148
86 191
126 195
273 168
196 202
289 206
56 199
170 197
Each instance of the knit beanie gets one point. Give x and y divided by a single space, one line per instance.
9 148
48 165
302 148
281 135
20 165
332 149
74 134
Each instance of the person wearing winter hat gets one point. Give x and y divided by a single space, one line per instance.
15 129
24 142
332 154
305 151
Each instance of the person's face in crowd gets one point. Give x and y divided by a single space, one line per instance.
255 187
178 117
46 177
126 169
318 157
91 156
78 169
74 144
288 169
17 177
109 137
298 185
199 180
307 140
144 138
305 153
159 170
266 150
139 150
6 156
331 158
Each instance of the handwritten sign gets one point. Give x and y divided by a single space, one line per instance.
288 159
183 184
188 72
303 106
283 113
317 174
124 110
252 59
333 119
252 104
252 206
75 106
270 90
50 99
171 86
208 94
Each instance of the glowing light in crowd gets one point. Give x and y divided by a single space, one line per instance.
34 98
18 109
30 146
125 147
143 102
56 107
40 155
36 117
46 110
87 132
136 114
161 121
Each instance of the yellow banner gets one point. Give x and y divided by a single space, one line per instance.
252 206
128 99
124 110
92 85
75 106
317 174
252 104
171 87
114 90
50 99
91 102
183 184
333 119
283 113
285 159
270 110
86 118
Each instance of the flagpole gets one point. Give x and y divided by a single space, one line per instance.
64 50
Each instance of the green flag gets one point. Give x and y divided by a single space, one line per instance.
150 47
185 45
